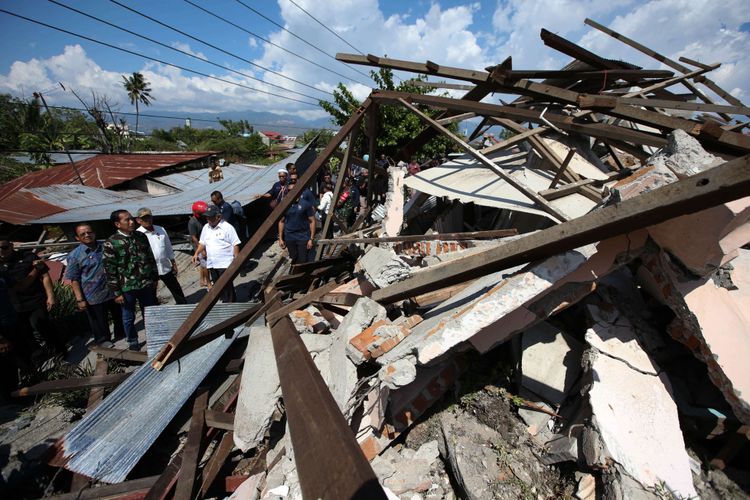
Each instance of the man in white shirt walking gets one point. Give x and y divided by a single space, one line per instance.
161 247
221 244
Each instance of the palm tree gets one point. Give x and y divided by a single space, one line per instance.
139 91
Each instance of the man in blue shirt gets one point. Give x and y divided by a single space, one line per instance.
227 213
297 227
89 281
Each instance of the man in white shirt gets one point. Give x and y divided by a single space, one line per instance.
161 247
221 244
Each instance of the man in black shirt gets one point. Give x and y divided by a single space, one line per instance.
32 304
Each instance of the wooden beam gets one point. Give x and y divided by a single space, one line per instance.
439 85
567 123
512 141
193 448
474 235
330 463
592 101
541 202
125 489
577 52
671 63
563 167
120 354
398 64
301 302
215 463
693 62
372 134
208 300
720 184
343 166
71 384
456 118
220 420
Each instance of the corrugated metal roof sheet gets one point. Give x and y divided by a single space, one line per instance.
101 171
108 442
244 187
468 181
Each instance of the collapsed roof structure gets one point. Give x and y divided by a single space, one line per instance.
632 204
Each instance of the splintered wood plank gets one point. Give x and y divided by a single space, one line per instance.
191 455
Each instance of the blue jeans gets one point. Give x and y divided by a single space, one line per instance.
146 296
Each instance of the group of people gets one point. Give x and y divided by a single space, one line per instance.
306 213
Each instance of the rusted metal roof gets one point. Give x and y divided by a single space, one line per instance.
101 171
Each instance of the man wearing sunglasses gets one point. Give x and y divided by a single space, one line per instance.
85 270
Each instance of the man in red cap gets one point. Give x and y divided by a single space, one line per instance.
195 226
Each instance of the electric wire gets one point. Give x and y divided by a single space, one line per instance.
300 38
165 25
138 54
208 120
326 27
90 16
291 52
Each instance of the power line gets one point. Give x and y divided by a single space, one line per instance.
90 16
208 120
183 68
270 42
160 23
300 38
326 27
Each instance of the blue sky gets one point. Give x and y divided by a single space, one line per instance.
457 33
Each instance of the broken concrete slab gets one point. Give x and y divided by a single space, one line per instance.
383 267
711 321
310 320
610 255
705 240
613 334
683 155
399 373
376 340
550 362
260 390
638 424
407 471
394 202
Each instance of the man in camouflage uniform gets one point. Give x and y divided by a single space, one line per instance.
131 271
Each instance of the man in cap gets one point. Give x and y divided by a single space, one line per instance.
195 226
85 270
131 271
220 242
163 253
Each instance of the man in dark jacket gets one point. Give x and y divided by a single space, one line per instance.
131 271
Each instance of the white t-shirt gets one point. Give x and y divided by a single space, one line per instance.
219 242
325 202
161 247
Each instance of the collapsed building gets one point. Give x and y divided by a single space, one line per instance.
600 299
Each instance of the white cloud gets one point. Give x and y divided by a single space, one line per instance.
185 47
700 29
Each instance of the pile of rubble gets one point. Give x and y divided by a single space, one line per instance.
589 337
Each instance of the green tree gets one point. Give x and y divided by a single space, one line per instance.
324 136
396 124
139 92
239 127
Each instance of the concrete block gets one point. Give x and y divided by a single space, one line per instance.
394 202
399 373
383 267
309 320
260 391
550 362
376 340
408 403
